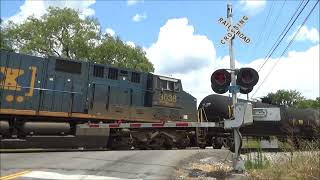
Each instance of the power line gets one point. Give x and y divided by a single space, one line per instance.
276 19
277 43
257 43
286 49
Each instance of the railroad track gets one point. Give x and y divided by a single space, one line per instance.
33 150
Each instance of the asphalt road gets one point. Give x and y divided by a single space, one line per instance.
153 164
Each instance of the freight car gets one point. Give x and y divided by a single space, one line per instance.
50 96
299 123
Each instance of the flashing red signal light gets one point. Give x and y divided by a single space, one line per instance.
247 78
220 81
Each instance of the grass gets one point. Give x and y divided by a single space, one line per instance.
256 160
302 163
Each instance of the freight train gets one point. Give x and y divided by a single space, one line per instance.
46 100
296 123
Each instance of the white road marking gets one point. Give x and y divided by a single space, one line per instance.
54 176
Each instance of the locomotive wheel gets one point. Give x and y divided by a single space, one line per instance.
202 146
183 143
167 146
159 142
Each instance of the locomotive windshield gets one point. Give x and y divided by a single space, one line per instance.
169 84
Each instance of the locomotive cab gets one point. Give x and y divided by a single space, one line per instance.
168 95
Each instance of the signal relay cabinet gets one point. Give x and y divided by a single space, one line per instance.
66 88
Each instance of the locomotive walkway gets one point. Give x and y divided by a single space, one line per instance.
153 164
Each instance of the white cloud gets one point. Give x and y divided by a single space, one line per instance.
252 7
133 2
110 31
177 42
139 17
297 70
179 50
38 7
306 34
130 43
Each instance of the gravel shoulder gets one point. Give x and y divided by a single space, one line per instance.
209 165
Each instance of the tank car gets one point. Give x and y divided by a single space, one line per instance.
300 123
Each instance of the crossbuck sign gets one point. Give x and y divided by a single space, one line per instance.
234 30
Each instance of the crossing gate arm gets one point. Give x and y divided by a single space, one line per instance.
149 125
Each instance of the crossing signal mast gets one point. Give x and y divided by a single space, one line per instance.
239 81
235 80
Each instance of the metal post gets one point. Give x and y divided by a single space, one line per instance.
237 162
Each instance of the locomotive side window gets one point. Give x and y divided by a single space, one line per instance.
68 66
135 77
98 71
113 74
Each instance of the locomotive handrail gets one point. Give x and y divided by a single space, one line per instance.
43 89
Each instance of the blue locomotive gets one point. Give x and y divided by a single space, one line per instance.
50 96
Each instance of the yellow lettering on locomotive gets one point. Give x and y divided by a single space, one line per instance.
167 99
9 82
33 79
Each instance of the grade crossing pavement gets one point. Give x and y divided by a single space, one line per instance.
147 164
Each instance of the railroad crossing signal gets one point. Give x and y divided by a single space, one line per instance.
220 81
234 30
247 78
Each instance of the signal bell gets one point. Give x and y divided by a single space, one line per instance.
246 79
220 81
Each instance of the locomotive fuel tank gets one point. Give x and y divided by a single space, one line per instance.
46 128
300 121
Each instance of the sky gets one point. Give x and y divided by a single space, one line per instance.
182 38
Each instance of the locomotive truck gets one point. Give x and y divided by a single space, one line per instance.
54 102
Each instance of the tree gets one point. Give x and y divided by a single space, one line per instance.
114 51
286 97
4 43
293 98
309 103
62 33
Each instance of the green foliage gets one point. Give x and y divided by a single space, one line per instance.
293 98
62 33
256 160
4 43
114 51
286 97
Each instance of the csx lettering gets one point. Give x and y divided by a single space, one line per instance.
9 82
